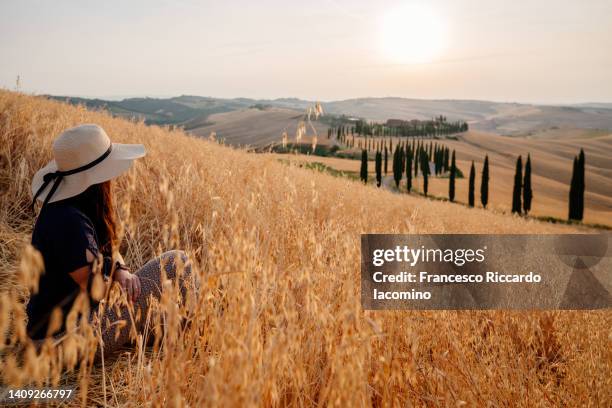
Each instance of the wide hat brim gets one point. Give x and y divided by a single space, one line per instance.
118 161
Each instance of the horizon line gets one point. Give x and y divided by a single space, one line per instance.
117 98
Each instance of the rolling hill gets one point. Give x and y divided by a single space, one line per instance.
255 127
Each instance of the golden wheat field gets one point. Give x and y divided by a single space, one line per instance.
277 320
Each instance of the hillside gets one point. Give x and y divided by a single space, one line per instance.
278 320
255 127
160 111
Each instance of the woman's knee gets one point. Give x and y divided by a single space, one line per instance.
176 261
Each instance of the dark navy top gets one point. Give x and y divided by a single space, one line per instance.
62 234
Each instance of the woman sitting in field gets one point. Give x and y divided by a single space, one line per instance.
76 228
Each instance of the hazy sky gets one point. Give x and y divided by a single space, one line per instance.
527 51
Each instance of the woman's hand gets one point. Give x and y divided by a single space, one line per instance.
129 282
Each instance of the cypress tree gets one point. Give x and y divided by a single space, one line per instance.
471 187
386 168
581 186
409 171
527 193
446 154
378 167
451 179
484 186
364 166
435 159
573 192
417 157
516 192
407 152
425 171
397 167
577 188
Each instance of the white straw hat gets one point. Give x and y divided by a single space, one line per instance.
83 156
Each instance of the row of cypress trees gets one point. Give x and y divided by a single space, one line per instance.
416 152
382 144
404 160
405 157
403 165
417 155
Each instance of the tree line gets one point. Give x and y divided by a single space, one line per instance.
395 128
410 158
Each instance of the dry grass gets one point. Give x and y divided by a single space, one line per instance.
278 320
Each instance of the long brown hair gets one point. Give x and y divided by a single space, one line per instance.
97 204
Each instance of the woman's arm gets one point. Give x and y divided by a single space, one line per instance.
128 281
81 276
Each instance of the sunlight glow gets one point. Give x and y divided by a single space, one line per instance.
412 34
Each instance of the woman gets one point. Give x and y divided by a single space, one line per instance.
77 226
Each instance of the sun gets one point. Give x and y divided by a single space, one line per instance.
412 34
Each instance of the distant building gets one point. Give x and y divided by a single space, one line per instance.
397 122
